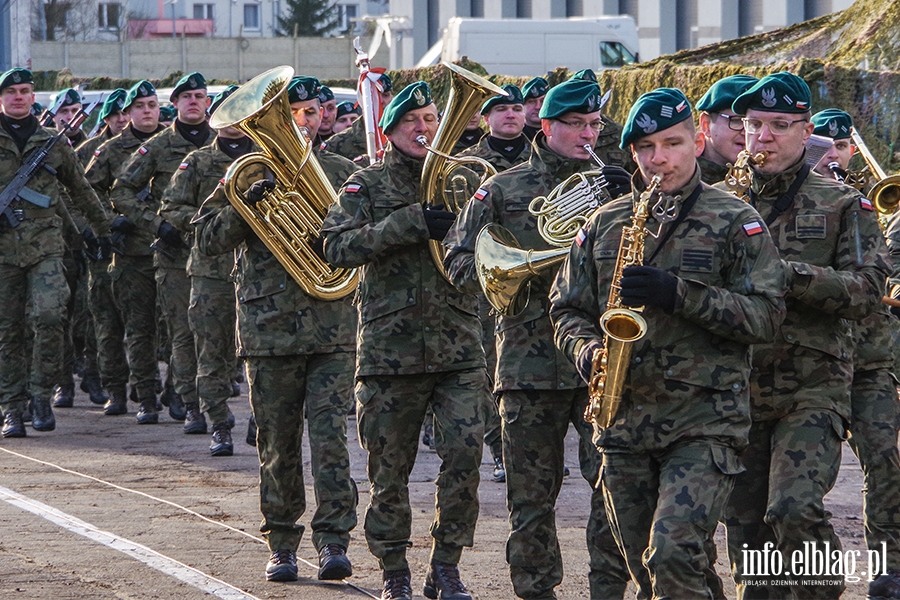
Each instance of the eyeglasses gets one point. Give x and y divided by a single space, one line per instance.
776 127
579 125
735 123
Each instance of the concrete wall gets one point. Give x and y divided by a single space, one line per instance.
216 58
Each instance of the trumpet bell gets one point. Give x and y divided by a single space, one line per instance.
885 195
505 270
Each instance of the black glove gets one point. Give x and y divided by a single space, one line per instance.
121 224
91 244
649 286
258 190
318 247
105 247
585 361
439 222
895 310
168 234
619 181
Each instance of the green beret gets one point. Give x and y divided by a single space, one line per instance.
655 111
347 108
585 75
413 96
15 77
113 104
167 113
780 92
220 98
70 97
535 88
191 81
37 109
325 94
142 89
574 95
721 95
513 96
832 123
303 88
386 84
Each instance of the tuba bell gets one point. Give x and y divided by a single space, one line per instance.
439 187
885 194
289 219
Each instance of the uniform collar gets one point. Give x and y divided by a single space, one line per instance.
402 165
766 186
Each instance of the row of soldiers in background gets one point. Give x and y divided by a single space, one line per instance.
798 394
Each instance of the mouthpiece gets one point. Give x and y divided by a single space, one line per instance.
422 141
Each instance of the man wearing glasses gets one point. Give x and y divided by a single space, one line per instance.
540 391
722 130
835 264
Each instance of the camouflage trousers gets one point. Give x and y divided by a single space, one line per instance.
791 464
212 316
874 426
173 287
109 329
281 389
80 339
134 289
492 427
535 423
42 287
390 412
664 507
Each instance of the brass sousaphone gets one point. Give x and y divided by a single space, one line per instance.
289 219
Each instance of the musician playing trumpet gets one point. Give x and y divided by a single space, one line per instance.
706 278
540 393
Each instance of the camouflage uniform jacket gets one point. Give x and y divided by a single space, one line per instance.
274 316
86 150
607 147
349 143
153 164
40 235
689 375
483 150
196 178
411 320
526 357
710 172
837 264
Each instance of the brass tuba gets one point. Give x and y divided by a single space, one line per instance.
504 269
289 219
738 177
439 187
885 194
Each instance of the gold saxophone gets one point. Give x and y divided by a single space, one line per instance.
621 326
738 177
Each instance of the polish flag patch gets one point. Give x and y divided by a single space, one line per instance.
183 166
97 152
222 181
866 204
580 237
481 194
142 150
353 188
752 228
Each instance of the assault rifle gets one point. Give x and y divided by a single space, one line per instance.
18 187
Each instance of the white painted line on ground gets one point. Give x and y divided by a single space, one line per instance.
151 558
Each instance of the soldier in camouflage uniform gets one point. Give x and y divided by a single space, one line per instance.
533 92
329 112
211 310
723 130
540 393
31 259
418 345
300 354
710 286
836 265
351 143
126 293
153 165
347 112
504 145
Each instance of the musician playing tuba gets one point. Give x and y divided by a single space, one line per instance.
709 280
540 393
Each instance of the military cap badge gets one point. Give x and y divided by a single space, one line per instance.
768 97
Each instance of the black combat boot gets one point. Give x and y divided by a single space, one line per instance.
117 404
397 585
177 410
221 444
13 426
42 418
333 563
147 414
235 389
64 395
194 421
443 582
92 385
282 566
251 432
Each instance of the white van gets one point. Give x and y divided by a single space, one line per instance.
525 47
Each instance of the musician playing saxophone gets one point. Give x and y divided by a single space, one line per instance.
540 393
710 284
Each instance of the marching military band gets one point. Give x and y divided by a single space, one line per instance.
703 298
